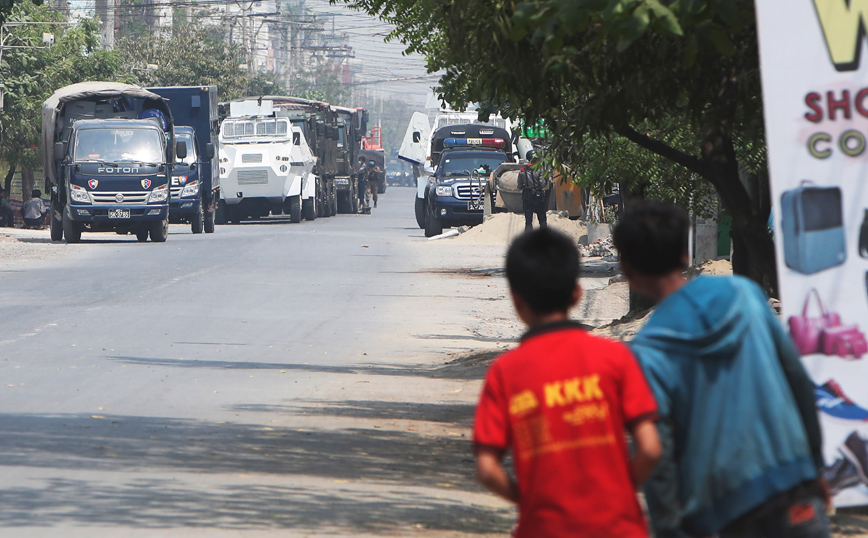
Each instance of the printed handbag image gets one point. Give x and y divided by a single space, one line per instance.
805 331
844 342
825 333
812 226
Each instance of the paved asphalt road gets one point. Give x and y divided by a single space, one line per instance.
231 384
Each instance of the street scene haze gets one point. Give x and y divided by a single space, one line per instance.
355 268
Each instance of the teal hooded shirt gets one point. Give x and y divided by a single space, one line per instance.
712 352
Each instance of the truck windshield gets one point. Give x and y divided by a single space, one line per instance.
462 165
187 139
254 128
118 145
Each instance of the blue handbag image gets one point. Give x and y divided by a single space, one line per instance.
812 225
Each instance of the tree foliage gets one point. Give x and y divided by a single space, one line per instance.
593 69
32 74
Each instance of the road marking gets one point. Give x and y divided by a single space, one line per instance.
22 336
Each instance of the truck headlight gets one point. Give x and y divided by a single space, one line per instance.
159 194
190 189
80 195
443 190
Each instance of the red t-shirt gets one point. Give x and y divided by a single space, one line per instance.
561 402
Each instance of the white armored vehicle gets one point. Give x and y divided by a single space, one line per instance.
265 164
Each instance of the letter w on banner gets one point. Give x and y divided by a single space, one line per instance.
815 93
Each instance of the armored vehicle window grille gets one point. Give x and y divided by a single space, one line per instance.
251 158
252 177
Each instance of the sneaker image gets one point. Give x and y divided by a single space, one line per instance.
841 475
832 401
855 449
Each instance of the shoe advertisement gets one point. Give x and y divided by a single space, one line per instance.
815 98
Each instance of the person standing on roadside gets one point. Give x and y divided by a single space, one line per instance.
535 192
742 443
362 180
7 214
373 179
561 402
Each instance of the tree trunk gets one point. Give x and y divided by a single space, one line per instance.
26 183
7 182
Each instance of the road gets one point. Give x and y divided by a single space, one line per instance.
269 379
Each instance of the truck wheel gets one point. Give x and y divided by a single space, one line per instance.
159 231
294 209
209 221
420 212
56 224
70 229
197 223
142 235
381 186
354 199
308 208
344 204
433 225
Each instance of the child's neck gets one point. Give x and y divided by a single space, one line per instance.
538 320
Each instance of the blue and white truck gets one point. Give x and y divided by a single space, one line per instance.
195 185
108 150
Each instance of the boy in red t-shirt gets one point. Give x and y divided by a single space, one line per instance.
561 402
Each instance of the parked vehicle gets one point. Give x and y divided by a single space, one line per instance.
195 186
352 124
108 151
265 164
454 193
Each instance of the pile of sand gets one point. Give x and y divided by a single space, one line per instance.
501 228
711 268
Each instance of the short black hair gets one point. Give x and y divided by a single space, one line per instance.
651 237
36 193
542 267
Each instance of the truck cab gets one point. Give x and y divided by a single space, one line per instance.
114 176
186 203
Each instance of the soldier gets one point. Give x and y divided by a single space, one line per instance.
373 182
535 191
362 176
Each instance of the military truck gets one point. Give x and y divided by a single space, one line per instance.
352 124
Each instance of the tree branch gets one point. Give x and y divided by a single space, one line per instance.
691 162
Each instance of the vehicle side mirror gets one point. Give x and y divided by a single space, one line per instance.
180 150
417 137
59 151
296 139
209 150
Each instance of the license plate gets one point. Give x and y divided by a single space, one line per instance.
119 213
474 205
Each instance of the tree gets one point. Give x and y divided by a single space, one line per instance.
31 75
323 83
192 56
615 67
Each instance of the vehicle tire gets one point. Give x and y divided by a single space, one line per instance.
220 214
354 199
209 221
56 224
197 223
142 234
308 208
71 231
294 203
433 225
344 205
420 212
333 204
159 230
381 186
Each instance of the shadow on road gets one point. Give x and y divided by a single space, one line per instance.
153 447
470 366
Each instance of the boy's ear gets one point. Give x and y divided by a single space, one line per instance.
577 295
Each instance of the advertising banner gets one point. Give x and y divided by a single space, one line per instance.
815 93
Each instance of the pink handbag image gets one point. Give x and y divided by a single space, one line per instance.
824 333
